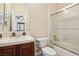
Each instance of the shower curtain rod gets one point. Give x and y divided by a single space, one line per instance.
74 4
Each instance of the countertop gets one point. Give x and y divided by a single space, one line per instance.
16 40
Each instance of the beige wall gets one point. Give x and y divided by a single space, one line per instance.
39 20
37 15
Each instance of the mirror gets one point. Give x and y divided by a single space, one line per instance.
1 16
7 19
14 17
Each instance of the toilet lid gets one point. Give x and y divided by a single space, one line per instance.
49 51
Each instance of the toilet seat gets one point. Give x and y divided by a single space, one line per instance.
48 51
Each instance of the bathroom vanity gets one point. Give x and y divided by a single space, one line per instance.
15 21
23 46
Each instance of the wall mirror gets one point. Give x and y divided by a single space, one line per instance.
4 17
7 18
14 17
1 16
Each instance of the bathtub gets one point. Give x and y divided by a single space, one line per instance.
61 51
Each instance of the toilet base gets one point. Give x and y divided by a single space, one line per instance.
48 51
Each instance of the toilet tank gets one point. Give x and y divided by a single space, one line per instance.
42 42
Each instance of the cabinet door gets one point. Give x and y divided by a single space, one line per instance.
26 49
8 51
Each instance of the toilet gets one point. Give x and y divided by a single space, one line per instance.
46 51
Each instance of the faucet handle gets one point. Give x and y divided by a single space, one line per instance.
13 34
24 33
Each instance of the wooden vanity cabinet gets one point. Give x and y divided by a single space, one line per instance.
8 51
25 49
